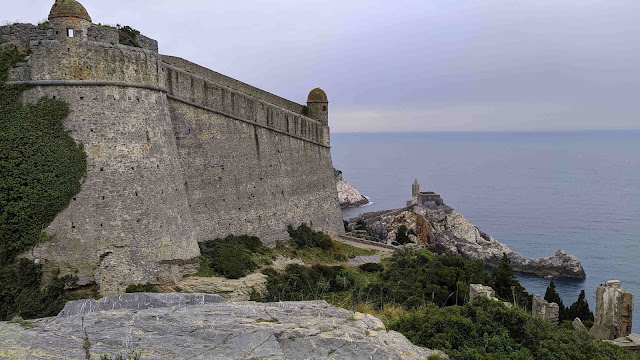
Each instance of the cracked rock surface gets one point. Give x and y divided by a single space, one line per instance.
215 330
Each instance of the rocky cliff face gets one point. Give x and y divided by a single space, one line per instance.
347 194
176 326
443 230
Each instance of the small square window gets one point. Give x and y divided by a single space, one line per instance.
70 32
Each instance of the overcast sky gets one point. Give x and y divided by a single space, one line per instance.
409 65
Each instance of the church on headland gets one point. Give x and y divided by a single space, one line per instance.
421 197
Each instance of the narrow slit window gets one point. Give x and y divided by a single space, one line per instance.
70 32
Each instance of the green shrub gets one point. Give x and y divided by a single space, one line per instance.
140 288
231 257
580 309
551 295
299 282
401 235
128 36
420 277
487 329
371 267
23 294
305 237
345 223
506 285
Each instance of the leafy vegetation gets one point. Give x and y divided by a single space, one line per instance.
140 288
299 282
41 165
128 36
425 297
506 285
551 295
486 329
305 237
420 277
580 309
401 235
232 257
371 267
41 169
22 293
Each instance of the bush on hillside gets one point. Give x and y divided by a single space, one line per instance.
371 267
298 283
305 237
402 237
506 285
552 296
231 257
419 277
23 294
487 329
580 309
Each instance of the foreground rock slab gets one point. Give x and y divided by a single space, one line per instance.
247 330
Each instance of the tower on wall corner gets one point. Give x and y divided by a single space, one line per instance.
69 20
318 106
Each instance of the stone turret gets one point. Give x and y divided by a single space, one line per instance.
318 105
69 20
415 191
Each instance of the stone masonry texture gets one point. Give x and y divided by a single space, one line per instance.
173 158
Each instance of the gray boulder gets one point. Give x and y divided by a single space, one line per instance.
245 330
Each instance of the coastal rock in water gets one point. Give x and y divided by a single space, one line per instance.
347 194
285 330
449 232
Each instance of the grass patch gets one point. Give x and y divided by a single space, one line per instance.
338 253
22 322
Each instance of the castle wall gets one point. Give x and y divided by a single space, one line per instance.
173 158
250 167
130 223
232 83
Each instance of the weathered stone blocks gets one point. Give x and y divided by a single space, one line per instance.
544 310
614 308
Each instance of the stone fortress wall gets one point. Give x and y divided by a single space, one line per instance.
174 157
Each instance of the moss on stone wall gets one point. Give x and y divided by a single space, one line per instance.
41 165
41 169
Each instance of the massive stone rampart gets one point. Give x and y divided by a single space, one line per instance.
173 158
250 166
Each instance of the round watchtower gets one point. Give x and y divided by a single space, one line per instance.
70 20
318 106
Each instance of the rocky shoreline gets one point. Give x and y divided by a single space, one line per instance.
348 196
441 229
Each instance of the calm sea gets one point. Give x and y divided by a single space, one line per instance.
536 192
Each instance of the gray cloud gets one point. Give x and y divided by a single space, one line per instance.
409 65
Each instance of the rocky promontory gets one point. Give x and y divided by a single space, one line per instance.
347 194
199 326
442 229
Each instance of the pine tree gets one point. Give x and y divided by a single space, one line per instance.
552 296
580 309
507 286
